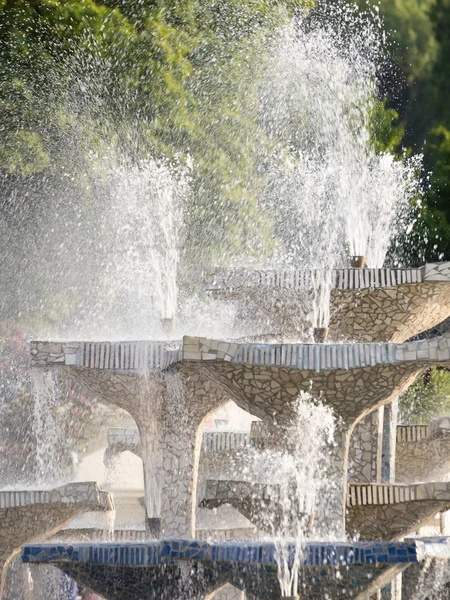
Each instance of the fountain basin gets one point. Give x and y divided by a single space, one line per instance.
31 515
265 379
422 452
120 440
159 569
365 305
389 512
345 374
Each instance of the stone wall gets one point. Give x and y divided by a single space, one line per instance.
388 314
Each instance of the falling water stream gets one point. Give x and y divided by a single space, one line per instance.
332 194
46 431
304 482
295 464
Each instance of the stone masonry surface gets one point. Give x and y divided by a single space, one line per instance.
122 440
420 582
27 516
258 502
218 455
170 400
387 314
219 278
390 512
317 357
168 406
364 462
119 356
265 379
385 305
423 451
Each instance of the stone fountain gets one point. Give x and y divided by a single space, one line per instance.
170 387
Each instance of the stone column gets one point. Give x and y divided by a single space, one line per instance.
338 471
170 456
169 408
393 590
389 442
171 412
365 451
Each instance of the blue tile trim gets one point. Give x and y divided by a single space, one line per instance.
166 551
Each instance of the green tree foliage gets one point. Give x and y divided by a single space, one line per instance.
440 18
84 83
405 75
416 83
438 151
428 397
386 130
164 79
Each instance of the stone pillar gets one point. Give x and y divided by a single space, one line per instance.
389 442
393 590
365 451
171 412
170 455
169 408
334 506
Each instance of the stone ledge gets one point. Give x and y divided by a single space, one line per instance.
224 441
92 534
72 493
411 433
119 356
422 460
27 516
395 511
222 278
158 356
363 494
317 357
